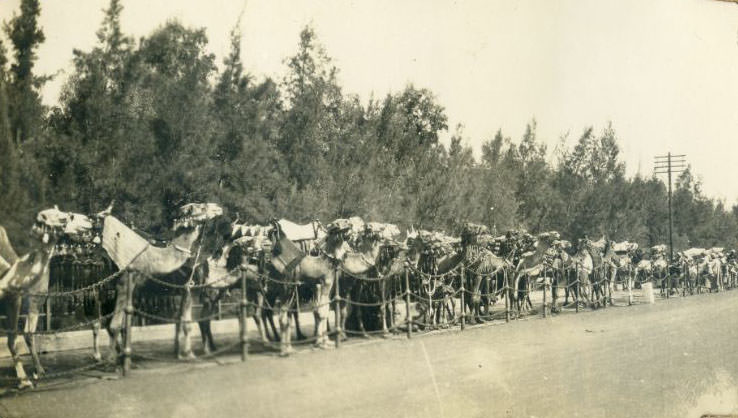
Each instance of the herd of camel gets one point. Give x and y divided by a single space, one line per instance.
354 267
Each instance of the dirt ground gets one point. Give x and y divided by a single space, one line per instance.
676 358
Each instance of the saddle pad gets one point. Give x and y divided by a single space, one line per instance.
695 252
6 249
4 266
121 243
297 232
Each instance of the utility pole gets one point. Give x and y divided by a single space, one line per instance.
669 164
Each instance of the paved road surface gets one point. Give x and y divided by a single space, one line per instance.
677 358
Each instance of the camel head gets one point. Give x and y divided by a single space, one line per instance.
52 224
377 235
546 240
470 233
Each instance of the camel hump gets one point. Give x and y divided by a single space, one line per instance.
121 243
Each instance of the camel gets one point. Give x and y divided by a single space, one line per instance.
610 262
599 271
530 265
482 265
689 273
140 260
437 264
561 267
623 261
393 270
360 277
583 267
644 270
291 267
711 269
241 259
27 278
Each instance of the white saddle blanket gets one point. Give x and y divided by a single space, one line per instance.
297 232
695 252
624 247
121 243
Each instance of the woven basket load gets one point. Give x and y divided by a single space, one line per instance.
624 247
694 253
193 214
384 231
658 249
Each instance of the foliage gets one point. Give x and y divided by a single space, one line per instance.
154 124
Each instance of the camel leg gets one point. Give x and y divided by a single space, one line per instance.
185 319
13 312
206 335
298 330
268 315
115 326
296 314
383 308
473 301
285 346
259 317
346 310
323 310
96 328
28 334
450 307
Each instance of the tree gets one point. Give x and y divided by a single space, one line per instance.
25 110
313 109
252 176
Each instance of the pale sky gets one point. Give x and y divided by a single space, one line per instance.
665 72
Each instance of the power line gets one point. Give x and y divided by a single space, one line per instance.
670 164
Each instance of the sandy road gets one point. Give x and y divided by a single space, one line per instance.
677 358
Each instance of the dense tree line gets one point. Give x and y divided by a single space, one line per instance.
153 123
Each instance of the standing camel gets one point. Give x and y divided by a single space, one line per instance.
583 266
436 267
291 267
482 265
27 278
530 265
139 260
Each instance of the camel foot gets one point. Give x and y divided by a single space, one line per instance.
186 356
97 357
25 384
323 345
286 351
40 371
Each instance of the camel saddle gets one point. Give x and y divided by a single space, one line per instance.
298 232
121 242
286 256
